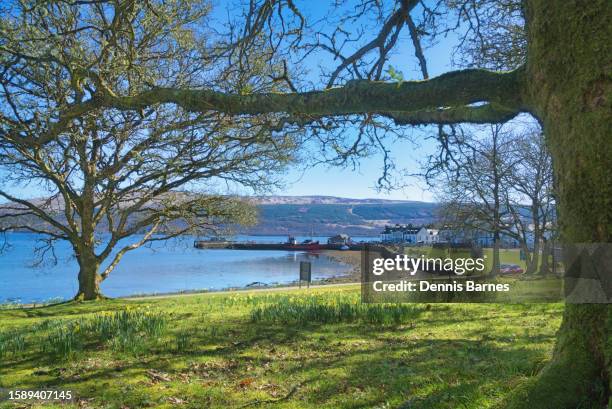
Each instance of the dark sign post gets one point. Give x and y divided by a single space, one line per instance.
305 272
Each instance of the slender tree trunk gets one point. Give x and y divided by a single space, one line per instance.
544 267
495 266
570 87
496 204
535 258
533 261
531 258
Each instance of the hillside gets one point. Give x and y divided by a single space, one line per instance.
322 215
269 200
330 215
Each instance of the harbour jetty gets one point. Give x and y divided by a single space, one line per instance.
290 245
205 244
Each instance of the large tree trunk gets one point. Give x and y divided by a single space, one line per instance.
89 285
89 277
570 89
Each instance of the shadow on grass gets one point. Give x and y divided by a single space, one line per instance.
68 308
341 365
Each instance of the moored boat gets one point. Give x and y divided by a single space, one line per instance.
307 245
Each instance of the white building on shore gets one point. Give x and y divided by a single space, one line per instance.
409 234
427 236
478 237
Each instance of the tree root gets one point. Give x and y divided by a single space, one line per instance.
561 385
80 297
578 376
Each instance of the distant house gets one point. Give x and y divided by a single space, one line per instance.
339 239
399 234
451 235
530 234
392 234
427 236
478 237
482 238
410 235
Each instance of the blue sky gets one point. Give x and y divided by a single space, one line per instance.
359 182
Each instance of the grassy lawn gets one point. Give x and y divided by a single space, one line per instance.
506 256
317 348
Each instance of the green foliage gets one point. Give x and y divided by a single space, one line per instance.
395 75
63 341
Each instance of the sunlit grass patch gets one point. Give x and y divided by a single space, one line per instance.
316 348
127 330
12 343
183 340
314 310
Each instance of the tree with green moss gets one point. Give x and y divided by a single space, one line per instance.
558 54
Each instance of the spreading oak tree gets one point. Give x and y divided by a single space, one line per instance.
110 180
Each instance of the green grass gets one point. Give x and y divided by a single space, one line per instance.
506 256
317 348
122 330
339 309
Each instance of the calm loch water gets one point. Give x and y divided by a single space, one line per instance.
171 267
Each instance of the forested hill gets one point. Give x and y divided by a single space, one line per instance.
325 215
322 215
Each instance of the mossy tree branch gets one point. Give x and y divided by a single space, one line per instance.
482 114
444 99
